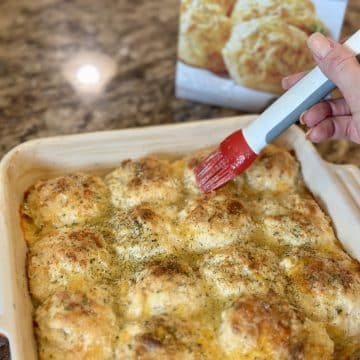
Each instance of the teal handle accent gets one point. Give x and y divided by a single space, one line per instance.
311 100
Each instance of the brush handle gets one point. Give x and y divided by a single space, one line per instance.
286 110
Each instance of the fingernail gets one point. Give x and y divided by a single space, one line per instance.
319 45
308 133
313 135
284 82
302 118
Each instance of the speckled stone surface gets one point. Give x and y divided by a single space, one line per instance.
38 37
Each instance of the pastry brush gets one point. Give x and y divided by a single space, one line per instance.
238 151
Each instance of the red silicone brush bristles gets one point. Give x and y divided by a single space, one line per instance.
233 156
213 172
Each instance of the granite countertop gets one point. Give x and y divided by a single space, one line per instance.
38 38
135 40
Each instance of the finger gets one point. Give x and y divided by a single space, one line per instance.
340 127
342 40
323 110
289 81
340 65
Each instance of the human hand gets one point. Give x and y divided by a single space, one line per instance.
337 118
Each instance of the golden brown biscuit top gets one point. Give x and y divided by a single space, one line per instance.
271 328
76 325
301 14
146 180
67 200
74 258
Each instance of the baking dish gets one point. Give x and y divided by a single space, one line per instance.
337 188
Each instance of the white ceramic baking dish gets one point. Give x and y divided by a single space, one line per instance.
336 187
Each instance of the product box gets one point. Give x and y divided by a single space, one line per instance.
234 53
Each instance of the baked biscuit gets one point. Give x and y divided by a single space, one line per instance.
261 52
67 200
289 219
214 220
301 14
76 325
225 5
269 328
141 233
165 287
326 286
147 180
264 204
275 169
72 258
204 30
186 166
297 230
166 337
240 270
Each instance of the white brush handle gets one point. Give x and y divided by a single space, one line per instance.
286 110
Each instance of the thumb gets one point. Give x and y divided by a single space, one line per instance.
340 65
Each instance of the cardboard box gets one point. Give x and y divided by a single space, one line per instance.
235 53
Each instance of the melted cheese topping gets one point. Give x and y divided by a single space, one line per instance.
141 265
